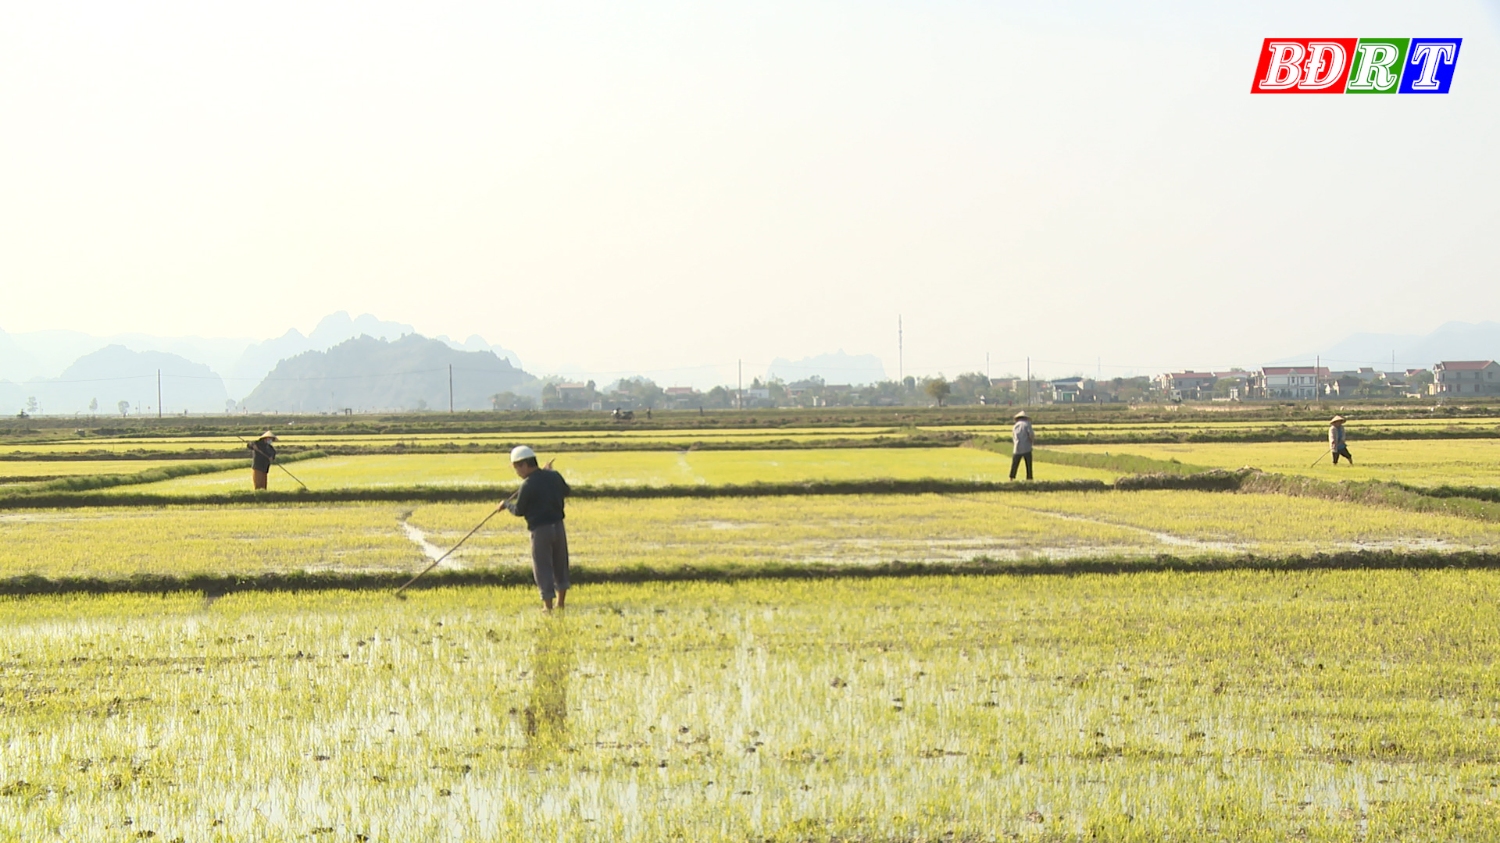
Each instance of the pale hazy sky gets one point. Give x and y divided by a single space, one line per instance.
634 186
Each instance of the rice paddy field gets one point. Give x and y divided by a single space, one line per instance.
745 534
637 468
21 471
1457 462
318 439
1239 706
1295 663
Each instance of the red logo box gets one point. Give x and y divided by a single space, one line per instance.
1303 66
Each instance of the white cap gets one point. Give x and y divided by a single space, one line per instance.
521 452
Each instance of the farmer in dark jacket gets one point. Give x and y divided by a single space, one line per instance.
262 453
540 502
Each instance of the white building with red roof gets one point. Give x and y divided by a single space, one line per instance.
1466 377
1299 383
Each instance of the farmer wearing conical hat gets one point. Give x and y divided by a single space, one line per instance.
1021 438
1336 443
260 462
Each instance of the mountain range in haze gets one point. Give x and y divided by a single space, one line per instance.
366 374
241 363
832 368
1450 341
368 364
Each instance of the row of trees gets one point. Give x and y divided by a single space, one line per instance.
968 388
33 407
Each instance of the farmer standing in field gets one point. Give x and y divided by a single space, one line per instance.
260 463
540 502
1021 438
1336 443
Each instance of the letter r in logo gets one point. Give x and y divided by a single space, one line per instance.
1377 64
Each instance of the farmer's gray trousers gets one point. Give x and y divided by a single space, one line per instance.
549 559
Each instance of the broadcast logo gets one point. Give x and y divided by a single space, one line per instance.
1356 66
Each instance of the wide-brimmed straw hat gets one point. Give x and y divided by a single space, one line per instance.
267 435
1022 415
1337 420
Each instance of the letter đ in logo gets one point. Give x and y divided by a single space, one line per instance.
1303 66
1356 66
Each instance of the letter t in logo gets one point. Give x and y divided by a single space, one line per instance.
1429 65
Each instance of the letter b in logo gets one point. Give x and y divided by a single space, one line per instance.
1303 66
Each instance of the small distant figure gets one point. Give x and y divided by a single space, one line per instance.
540 502
648 414
1021 439
260 463
1336 442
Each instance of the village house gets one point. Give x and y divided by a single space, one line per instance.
1466 377
1070 391
1185 386
1294 382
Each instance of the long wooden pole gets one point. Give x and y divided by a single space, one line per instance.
435 562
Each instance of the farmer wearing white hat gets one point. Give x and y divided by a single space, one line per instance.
260 463
540 502
1336 443
1021 438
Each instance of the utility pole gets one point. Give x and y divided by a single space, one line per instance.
986 370
450 389
900 360
1028 382
739 388
1318 375
158 393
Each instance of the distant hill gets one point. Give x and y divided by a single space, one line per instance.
12 398
115 373
368 375
832 368
260 359
242 361
1450 341
16 363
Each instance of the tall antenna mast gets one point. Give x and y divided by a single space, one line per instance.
900 353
